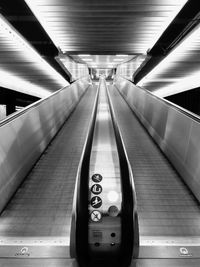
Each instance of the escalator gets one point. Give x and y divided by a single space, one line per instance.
168 211
35 224
104 224
110 219
47 223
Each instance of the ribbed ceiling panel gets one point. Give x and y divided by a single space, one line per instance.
106 26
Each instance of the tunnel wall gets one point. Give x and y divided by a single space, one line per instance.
25 135
175 130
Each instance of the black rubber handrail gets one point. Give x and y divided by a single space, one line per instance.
81 198
130 227
32 106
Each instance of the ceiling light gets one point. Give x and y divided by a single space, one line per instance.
177 55
118 59
84 55
88 59
27 53
8 80
185 84
165 23
35 7
121 55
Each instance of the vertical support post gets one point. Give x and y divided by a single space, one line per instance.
10 105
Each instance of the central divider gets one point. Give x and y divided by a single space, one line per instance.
104 228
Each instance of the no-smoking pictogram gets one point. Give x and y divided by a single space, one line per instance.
95 216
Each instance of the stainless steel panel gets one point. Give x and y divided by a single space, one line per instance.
38 217
104 160
23 139
156 115
169 252
183 262
38 262
32 249
170 247
153 114
193 158
176 133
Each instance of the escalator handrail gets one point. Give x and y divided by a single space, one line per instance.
32 106
182 110
130 228
79 225
79 238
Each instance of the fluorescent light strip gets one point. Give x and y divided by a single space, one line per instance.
84 55
185 84
8 80
175 55
166 23
28 52
35 9
22 44
118 59
88 59
121 55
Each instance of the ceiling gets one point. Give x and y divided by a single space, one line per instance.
179 71
104 28
22 68
101 34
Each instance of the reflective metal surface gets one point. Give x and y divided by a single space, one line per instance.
38 262
36 221
184 262
128 26
105 189
176 132
23 139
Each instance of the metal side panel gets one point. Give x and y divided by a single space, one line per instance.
193 157
24 137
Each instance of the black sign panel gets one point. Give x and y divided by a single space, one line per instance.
96 202
96 189
97 178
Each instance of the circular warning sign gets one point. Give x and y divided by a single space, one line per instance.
96 202
95 216
97 178
96 189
